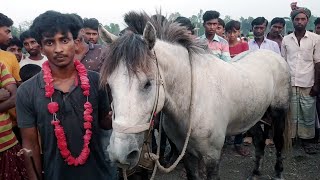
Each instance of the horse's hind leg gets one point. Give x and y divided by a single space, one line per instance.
259 138
278 117
191 164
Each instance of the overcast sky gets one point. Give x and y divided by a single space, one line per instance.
107 11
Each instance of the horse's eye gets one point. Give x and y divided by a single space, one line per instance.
147 85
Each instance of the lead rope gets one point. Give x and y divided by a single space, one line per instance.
155 157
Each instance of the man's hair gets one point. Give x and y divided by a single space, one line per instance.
91 23
208 15
15 41
221 22
278 20
52 22
25 35
5 21
259 21
77 18
233 25
183 21
28 71
317 21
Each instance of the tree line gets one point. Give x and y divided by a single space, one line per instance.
195 19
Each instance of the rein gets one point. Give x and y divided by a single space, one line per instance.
149 127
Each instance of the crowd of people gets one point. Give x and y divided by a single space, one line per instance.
67 126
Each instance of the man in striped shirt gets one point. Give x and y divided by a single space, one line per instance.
217 44
12 166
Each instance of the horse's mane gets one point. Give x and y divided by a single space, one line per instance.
133 50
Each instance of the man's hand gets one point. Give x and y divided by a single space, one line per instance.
314 91
4 94
293 5
106 122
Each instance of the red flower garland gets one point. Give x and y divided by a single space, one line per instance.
53 108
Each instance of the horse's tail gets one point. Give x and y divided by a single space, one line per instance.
287 132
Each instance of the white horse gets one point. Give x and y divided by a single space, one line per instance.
192 87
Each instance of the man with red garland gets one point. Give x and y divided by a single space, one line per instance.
65 104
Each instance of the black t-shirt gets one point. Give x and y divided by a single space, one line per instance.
32 111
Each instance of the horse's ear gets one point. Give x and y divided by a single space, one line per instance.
149 35
106 35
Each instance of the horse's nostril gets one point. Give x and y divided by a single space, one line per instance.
133 154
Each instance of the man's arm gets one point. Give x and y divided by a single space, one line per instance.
105 114
4 94
316 58
30 142
283 50
10 102
276 48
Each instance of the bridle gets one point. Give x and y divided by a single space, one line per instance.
150 124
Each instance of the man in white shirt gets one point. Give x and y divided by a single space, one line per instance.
259 26
33 49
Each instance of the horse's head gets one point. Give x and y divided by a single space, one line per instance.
132 72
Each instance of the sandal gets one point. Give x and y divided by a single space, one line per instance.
309 149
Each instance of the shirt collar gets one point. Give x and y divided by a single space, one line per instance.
215 37
306 35
264 40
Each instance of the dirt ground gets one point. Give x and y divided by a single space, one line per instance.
297 165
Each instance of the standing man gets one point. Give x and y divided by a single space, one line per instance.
301 50
33 48
90 28
317 26
12 166
259 26
90 55
236 47
15 46
217 44
220 28
277 26
65 104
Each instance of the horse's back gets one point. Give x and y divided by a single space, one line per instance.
266 64
239 93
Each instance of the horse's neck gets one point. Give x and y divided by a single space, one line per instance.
176 72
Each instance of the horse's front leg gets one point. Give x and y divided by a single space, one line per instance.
279 126
191 164
212 166
259 138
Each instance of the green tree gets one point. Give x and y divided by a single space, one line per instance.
246 24
113 28
227 18
196 20
174 16
25 25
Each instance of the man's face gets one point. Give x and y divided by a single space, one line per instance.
91 35
32 46
60 49
259 30
16 51
317 29
220 30
233 35
276 29
5 35
211 26
300 22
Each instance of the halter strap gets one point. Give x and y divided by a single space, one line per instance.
147 126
